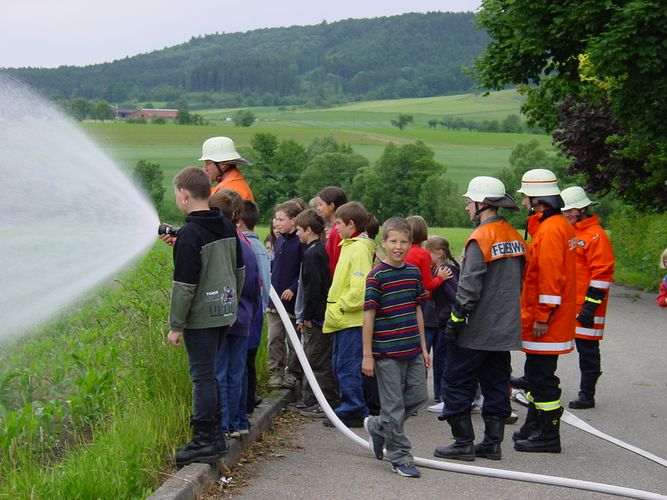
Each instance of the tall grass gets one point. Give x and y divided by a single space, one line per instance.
92 404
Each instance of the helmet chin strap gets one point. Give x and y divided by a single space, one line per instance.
221 171
478 212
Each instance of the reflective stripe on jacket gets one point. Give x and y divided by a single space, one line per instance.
595 267
549 291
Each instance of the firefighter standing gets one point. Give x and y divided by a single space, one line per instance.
595 270
548 308
485 324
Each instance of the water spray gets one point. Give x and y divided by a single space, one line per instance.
448 466
70 218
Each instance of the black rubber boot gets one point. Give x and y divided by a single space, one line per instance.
202 447
586 397
494 430
530 426
547 439
464 435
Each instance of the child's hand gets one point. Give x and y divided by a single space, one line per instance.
368 366
427 360
169 239
307 323
174 338
287 295
445 273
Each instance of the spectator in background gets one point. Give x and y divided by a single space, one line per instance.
661 299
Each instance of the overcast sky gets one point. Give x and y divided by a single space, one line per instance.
51 33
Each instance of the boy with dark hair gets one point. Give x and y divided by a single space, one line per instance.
314 286
208 277
394 346
344 312
247 225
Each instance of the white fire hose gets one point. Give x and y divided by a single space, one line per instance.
471 469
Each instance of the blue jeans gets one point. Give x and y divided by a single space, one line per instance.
347 357
231 375
203 346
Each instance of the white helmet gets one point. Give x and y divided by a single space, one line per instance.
484 187
575 197
539 182
491 191
221 149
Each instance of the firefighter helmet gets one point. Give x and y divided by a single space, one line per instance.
575 197
221 149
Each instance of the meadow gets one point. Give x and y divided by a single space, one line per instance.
365 126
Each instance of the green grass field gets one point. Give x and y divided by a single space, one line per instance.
364 125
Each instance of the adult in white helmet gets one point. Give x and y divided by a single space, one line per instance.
220 163
485 324
595 272
548 308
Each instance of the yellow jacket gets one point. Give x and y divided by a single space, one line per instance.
345 302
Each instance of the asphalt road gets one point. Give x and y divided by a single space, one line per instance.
631 405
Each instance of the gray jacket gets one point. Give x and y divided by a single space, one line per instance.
492 291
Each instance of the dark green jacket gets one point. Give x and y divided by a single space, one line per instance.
208 272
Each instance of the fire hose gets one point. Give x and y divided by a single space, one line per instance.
467 469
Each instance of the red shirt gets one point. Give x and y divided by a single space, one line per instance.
333 249
417 256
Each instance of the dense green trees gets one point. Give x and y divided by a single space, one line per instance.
411 55
283 169
590 67
402 121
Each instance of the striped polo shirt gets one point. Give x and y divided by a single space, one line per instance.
394 293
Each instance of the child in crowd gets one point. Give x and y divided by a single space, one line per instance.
421 259
443 298
344 313
330 198
231 364
270 240
314 286
208 276
284 279
394 347
246 225
661 299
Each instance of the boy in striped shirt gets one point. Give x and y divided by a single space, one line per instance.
394 347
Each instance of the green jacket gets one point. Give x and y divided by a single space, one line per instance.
345 302
208 273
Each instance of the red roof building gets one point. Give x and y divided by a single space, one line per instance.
147 114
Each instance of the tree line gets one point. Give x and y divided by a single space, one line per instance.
411 55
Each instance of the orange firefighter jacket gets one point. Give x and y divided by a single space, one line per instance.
234 180
595 267
549 290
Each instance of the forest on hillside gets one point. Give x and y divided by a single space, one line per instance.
411 55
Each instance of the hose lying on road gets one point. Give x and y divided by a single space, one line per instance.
448 466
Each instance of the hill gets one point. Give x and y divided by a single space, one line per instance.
411 55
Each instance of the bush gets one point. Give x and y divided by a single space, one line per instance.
638 239
149 177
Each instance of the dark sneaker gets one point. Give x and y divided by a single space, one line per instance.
289 381
375 442
407 469
314 411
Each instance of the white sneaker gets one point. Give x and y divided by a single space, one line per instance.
436 408
519 396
